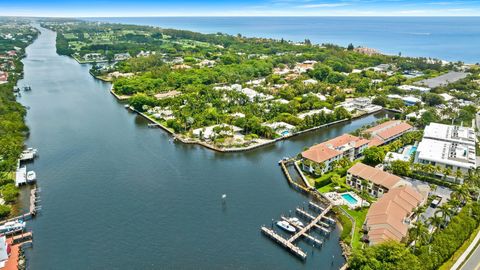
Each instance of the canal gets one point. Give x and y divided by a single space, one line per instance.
118 195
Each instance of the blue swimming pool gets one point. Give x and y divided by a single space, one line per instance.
285 133
349 198
412 150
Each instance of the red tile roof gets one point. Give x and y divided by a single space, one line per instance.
385 131
329 149
374 175
385 218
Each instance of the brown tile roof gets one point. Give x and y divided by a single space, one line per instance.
329 149
374 175
320 153
385 218
345 139
387 130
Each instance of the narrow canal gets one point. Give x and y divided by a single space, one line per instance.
118 195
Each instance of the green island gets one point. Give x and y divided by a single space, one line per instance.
233 93
15 36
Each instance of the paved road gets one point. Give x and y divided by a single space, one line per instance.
473 262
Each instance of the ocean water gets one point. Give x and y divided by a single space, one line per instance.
446 38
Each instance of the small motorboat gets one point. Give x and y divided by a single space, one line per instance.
285 226
295 221
12 226
31 176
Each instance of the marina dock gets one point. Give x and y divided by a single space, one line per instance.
314 222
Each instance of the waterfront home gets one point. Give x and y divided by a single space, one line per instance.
159 113
386 132
416 115
281 128
374 181
93 57
313 112
361 104
326 153
121 56
209 133
389 217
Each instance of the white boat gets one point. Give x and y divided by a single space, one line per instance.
287 227
295 221
31 176
12 226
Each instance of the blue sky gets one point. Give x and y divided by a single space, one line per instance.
119 8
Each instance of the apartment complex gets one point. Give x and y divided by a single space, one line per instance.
390 216
448 146
375 181
347 145
387 132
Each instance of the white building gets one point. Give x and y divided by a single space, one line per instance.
313 112
448 146
449 133
281 128
310 82
413 88
360 104
210 132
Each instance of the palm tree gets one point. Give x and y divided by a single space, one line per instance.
462 194
419 233
447 172
458 174
435 221
445 211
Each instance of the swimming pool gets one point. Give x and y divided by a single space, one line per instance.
285 133
412 150
349 198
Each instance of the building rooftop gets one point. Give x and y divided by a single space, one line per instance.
450 133
387 131
375 175
334 147
450 153
386 218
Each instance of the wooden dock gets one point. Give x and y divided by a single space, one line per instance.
320 209
301 232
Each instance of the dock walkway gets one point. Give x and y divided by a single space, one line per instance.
289 243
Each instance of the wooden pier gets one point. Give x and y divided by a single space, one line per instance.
301 232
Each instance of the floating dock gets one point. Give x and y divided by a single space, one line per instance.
21 176
301 232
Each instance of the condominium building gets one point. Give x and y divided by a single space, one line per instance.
448 146
387 132
347 145
373 180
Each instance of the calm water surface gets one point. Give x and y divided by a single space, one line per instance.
448 38
118 195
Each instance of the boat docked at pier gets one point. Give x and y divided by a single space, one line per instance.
12 226
285 226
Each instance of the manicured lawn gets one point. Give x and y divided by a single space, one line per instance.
359 216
